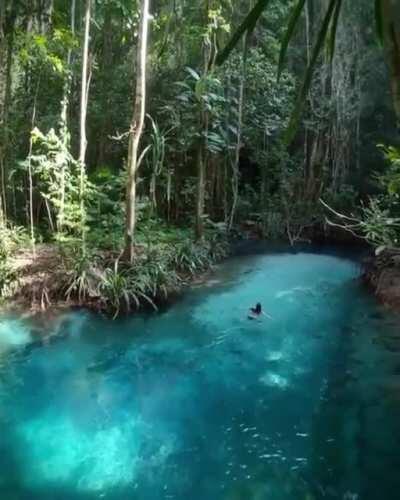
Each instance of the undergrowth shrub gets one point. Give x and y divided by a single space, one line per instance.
81 273
115 290
157 271
11 238
8 279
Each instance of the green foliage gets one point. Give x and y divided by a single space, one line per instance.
345 200
56 175
247 26
189 257
390 180
115 289
43 51
163 262
8 279
105 208
123 287
302 95
379 226
292 23
80 276
10 239
267 104
380 220
197 93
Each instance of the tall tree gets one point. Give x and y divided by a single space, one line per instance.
64 119
85 82
136 128
4 73
239 126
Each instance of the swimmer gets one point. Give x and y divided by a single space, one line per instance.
257 312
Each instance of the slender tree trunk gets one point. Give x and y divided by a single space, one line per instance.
64 122
202 144
235 165
309 97
153 192
83 111
169 192
3 92
201 176
107 75
30 172
136 128
7 31
200 190
46 14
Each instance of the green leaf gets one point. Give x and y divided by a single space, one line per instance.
193 73
302 95
248 25
332 41
294 17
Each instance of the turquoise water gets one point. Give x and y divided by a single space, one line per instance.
200 403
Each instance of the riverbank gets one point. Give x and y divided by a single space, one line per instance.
382 276
56 276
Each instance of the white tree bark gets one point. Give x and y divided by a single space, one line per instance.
136 129
84 105
64 120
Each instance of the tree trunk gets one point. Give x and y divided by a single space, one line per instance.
30 172
64 123
136 128
235 165
201 179
83 111
202 144
106 84
46 15
3 94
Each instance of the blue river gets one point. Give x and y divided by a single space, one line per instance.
197 402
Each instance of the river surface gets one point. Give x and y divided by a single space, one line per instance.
199 403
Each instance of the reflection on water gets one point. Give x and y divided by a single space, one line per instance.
200 403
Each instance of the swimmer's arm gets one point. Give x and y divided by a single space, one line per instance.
266 315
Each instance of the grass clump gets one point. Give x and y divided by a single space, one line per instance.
158 271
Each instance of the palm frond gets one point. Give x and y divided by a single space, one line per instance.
332 35
302 95
293 19
247 25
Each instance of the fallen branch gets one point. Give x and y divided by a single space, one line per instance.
341 216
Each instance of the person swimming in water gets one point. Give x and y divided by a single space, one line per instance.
257 312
